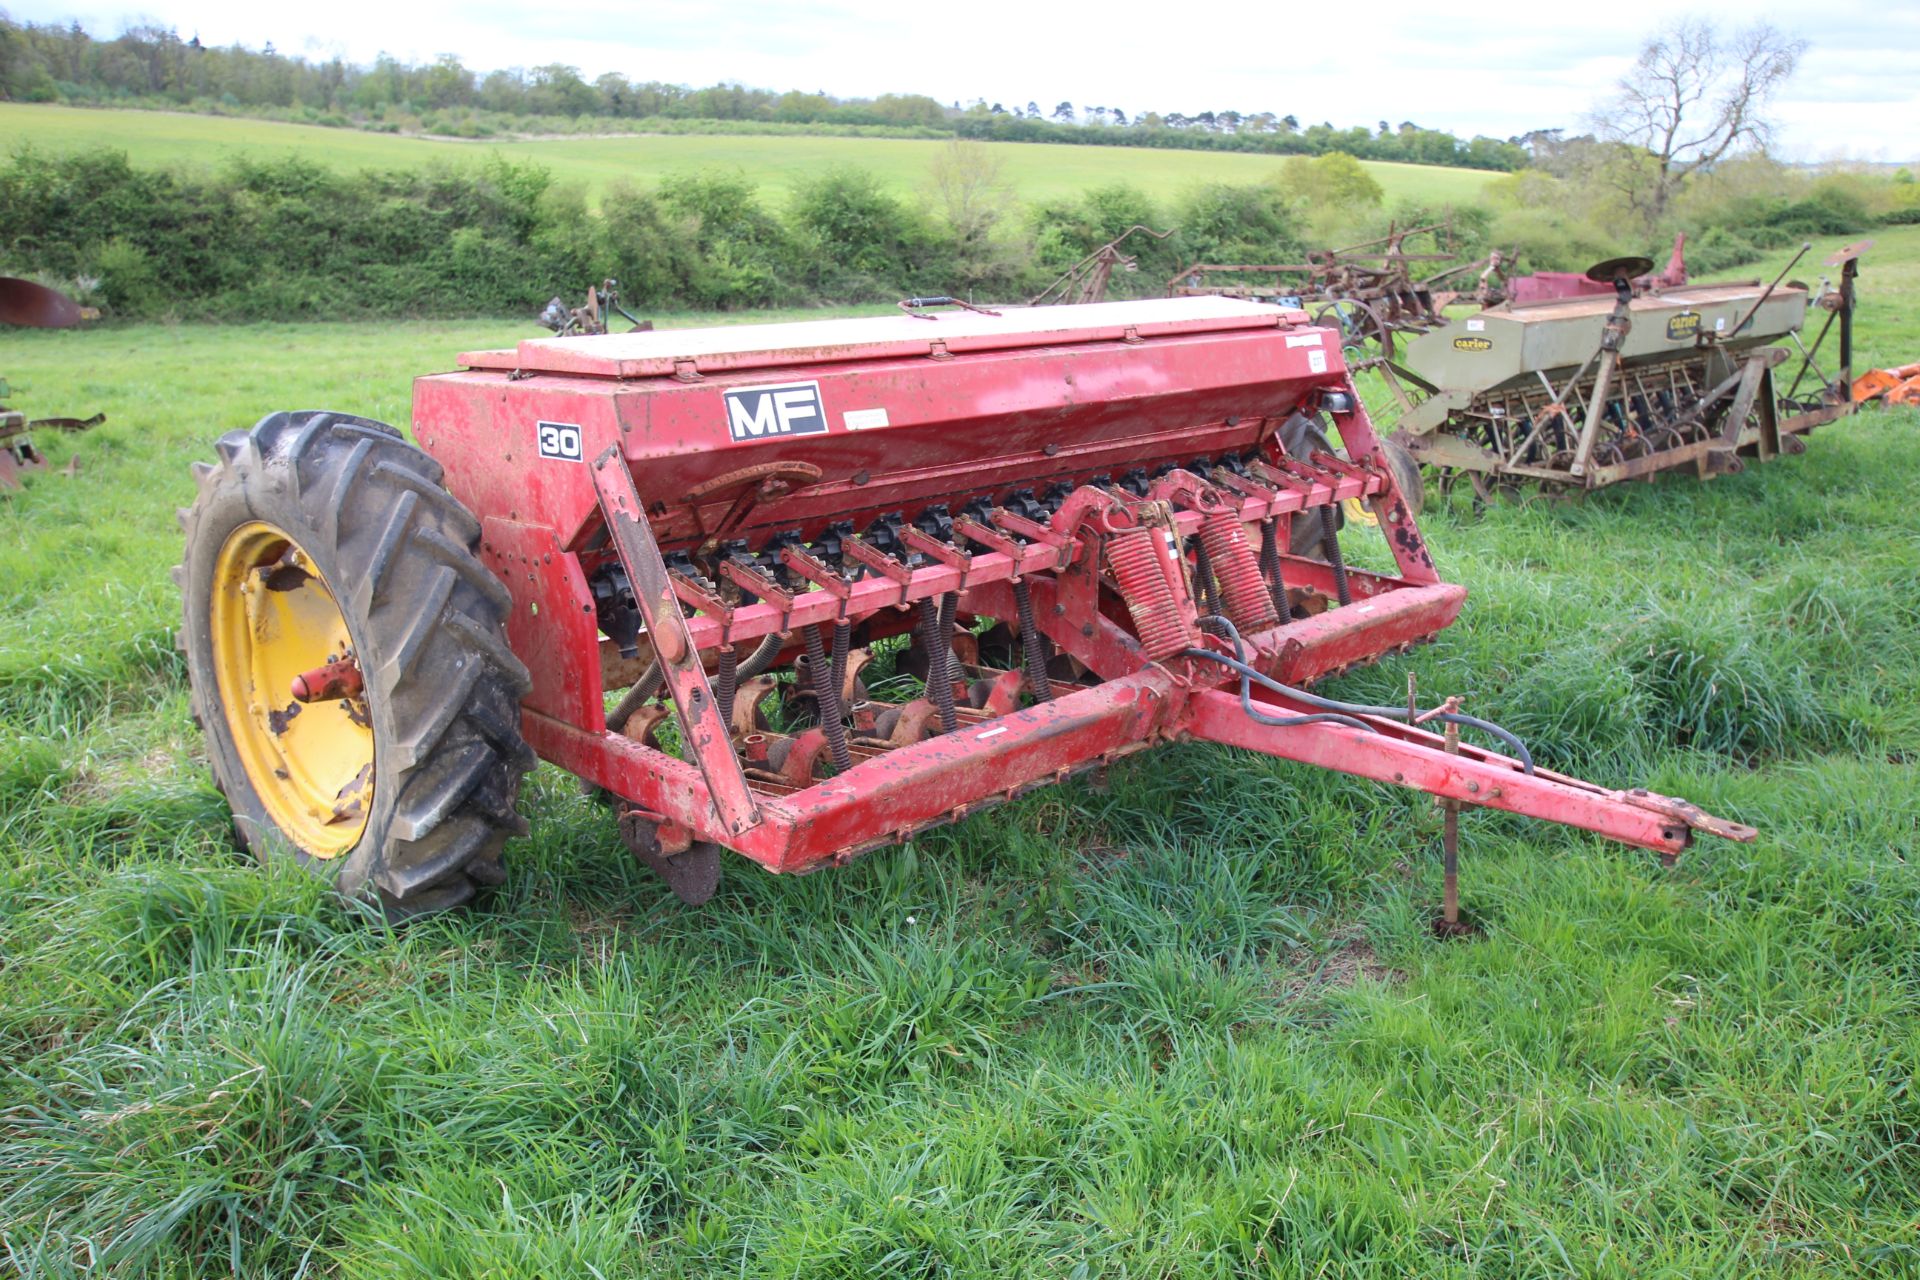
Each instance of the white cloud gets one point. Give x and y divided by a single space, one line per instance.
1500 67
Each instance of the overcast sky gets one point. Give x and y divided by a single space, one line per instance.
1500 67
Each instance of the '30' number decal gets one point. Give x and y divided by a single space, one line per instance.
560 440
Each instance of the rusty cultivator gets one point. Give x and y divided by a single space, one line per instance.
34 306
1574 382
1369 292
1086 280
803 590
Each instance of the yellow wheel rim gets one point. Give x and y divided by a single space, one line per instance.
1360 513
273 618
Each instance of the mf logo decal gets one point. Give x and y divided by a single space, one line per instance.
560 440
766 413
1683 327
1472 344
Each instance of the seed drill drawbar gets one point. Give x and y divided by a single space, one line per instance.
1096 529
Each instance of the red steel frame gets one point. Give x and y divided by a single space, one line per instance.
656 468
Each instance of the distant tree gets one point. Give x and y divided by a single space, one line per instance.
1229 121
1033 111
1289 124
1692 97
997 109
447 83
616 95
971 193
558 90
1335 180
1064 113
1120 117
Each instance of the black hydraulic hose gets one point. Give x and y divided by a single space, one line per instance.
1220 626
1333 708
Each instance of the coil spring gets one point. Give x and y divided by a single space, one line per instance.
1238 584
1205 590
1330 543
827 698
1038 682
842 630
727 683
1138 567
1270 569
939 647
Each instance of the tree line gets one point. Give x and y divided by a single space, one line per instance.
152 65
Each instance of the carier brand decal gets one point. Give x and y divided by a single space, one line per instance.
766 413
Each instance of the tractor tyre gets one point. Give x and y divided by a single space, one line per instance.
321 539
1406 475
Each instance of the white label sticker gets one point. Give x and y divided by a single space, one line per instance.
1475 326
1719 324
861 419
1317 361
988 733
1303 339
560 440
772 412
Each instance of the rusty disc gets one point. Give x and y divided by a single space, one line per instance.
1618 269
1839 256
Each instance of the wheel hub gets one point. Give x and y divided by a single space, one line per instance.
274 625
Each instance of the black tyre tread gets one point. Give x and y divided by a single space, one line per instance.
373 588
444 685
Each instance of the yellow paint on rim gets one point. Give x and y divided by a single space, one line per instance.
273 617
1360 513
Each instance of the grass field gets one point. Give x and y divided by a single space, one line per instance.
1036 171
1192 1026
